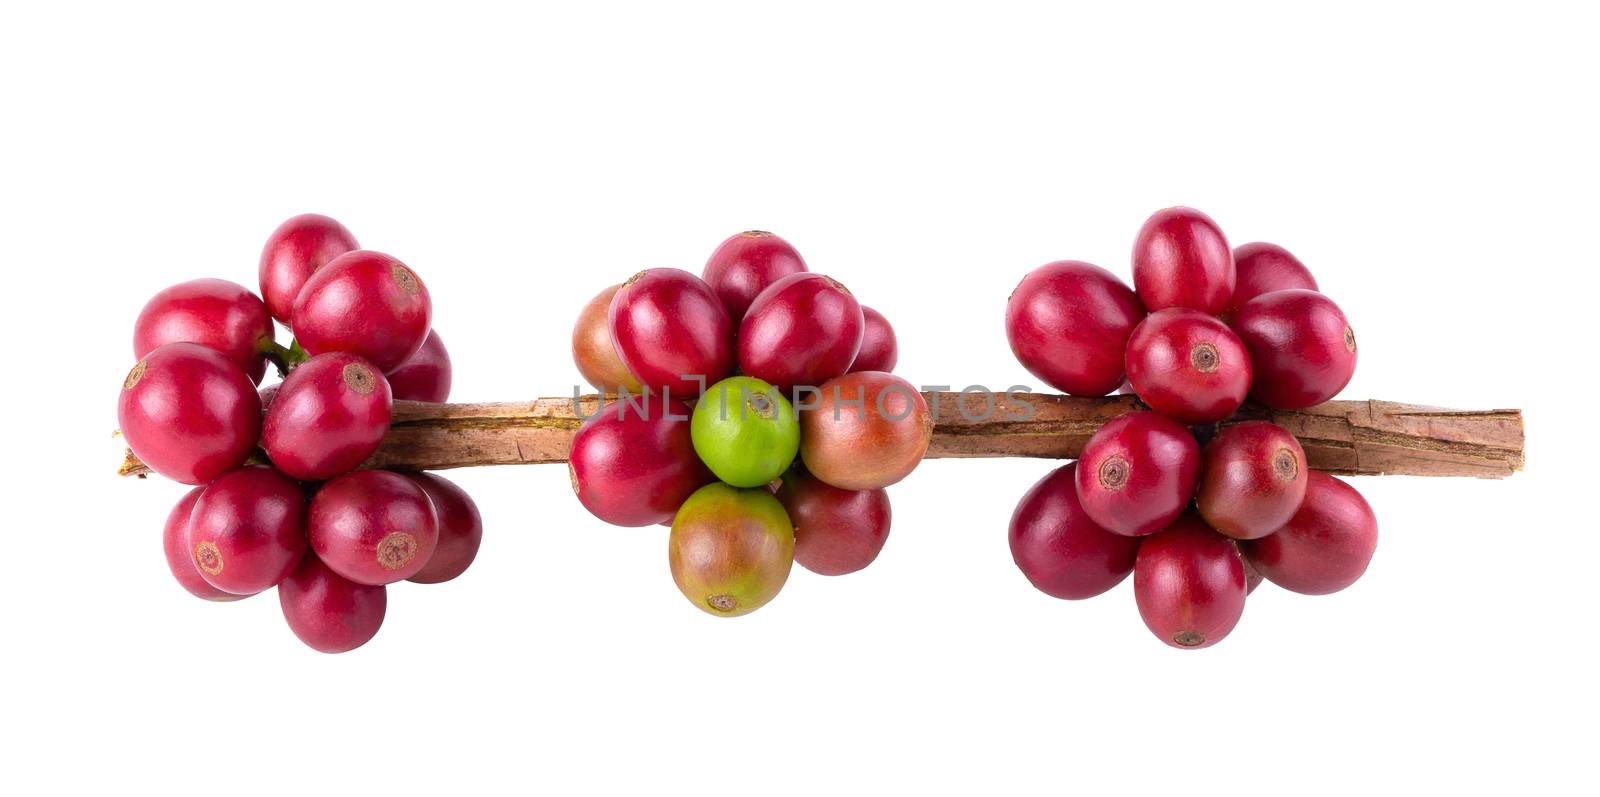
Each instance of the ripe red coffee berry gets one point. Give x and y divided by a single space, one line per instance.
217 314
1059 548
329 612
865 430
426 375
745 264
1068 324
1325 547
189 413
594 352
835 531
1264 268
295 250
1188 366
1302 350
1189 583
175 544
328 417
634 463
367 304
1137 473
879 350
672 332
1252 479
373 526
248 530
1181 259
460 529
802 330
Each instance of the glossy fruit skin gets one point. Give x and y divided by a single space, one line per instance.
460 529
879 350
294 251
745 264
329 416
1189 583
867 430
1182 259
803 329
835 531
1188 366
1137 473
745 431
426 375
214 313
1068 323
1325 547
593 351
730 550
365 303
1063 552
1302 349
1252 479
248 530
634 463
329 612
189 413
1263 268
175 544
373 526
667 325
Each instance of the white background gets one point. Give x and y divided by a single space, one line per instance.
1436 167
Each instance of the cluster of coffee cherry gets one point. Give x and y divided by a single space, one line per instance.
1204 327
279 502
752 410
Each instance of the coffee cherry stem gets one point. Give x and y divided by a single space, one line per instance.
284 358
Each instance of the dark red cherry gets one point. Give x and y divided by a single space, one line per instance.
189 413
1068 324
1264 268
1137 473
329 416
460 529
835 531
175 544
634 463
373 526
1181 259
671 332
248 530
1189 583
1302 350
879 350
217 314
1325 547
295 250
329 612
426 375
745 264
802 330
367 304
1252 479
1060 548
1188 366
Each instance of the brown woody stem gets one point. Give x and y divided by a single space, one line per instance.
1347 437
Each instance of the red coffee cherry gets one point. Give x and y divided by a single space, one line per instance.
175 544
1068 323
426 375
248 530
189 413
1325 547
1302 349
802 330
217 314
1264 268
745 264
367 304
1188 366
1060 548
1137 473
1252 479
671 332
328 417
835 531
633 463
879 351
329 612
373 527
294 251
1189 583
1181 259
460 529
